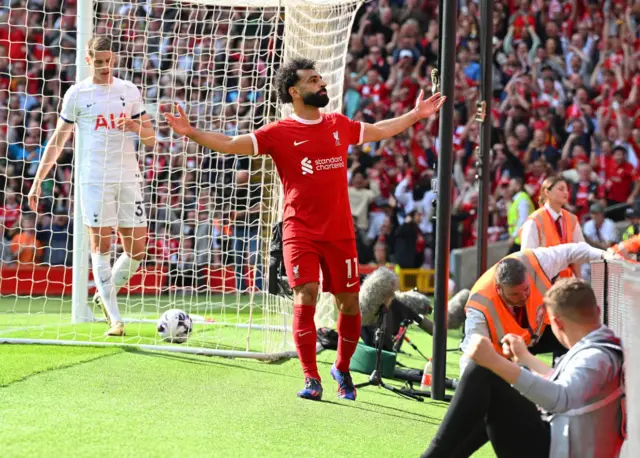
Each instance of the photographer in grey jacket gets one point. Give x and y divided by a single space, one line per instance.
581 399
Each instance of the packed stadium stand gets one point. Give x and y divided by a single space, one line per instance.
566 100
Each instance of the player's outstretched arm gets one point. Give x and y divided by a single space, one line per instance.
390 127
49 158
241 145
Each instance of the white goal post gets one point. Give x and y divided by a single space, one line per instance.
209 215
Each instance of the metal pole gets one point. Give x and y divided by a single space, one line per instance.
483 116
80 271
443 222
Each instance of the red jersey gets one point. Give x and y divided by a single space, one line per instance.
9 215
620 178
378 92
163 249
579 196
521 23
536 184
311 158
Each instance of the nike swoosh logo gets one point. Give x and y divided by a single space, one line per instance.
302 334
299 143
349 285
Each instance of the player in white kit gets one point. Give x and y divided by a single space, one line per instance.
109 114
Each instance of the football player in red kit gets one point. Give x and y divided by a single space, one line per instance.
309 149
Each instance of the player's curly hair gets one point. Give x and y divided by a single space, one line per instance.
288 77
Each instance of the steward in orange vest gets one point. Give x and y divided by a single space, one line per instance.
528 319
548 235
628 247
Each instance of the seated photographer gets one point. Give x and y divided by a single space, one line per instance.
397 315
581 399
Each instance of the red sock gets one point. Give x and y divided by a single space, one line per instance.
304 336
348 335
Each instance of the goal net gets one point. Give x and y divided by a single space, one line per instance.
210 216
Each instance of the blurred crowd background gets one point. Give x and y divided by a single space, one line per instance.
566 100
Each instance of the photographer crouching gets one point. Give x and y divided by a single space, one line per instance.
581 400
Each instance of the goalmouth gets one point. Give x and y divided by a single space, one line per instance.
208 248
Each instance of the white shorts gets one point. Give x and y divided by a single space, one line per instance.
113 205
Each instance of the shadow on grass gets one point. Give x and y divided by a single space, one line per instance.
184 358
396 409
427 400
59 367
414 417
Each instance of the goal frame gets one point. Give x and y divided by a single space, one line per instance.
81 310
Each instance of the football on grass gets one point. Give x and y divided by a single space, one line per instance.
175 326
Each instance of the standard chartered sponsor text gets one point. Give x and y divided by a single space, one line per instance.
336 162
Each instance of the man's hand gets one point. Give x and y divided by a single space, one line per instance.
516 348
179 124
611 255
433 104
129 125
481 351
34 196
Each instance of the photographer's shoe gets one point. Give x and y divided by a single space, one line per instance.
312 389
346 390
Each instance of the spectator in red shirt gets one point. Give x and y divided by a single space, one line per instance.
621 184
522 19
375 89
10 211
535 177
162 247
584 192
573 152
468 212
14 37
504 166
538 148
514 149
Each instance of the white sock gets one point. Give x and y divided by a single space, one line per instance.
123 270
104 283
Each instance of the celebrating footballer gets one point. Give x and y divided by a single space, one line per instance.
309 149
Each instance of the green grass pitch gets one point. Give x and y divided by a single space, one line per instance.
93 402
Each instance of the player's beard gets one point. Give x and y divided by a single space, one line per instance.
318 99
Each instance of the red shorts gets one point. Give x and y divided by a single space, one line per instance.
338 260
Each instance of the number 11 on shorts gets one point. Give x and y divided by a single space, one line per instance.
351 268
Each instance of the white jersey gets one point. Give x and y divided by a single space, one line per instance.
108 154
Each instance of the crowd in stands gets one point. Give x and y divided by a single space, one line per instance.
566 100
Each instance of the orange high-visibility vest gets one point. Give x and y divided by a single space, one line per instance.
485 299
631 245
548 233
